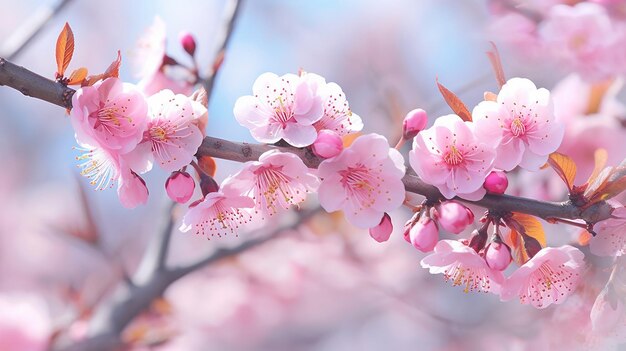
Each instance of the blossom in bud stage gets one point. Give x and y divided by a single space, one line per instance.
496 182
463 266
611 235
453 216
498 255
131 189
414 122
424 234
328 144
110 114
180 186
549 277
337 115
383 230
171 138
364 181
520 125
449 156
607 312
281 108
188 42
277 180
219 213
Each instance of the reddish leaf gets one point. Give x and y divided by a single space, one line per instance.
496 63
516 243
600 157
584 237
489 96
532 227
208 165
78 76
564 167
113 71
455 103
64 49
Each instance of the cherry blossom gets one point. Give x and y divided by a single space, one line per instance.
608 314
25 323
611 235
131 189
337 114
453 216
521 125
219 213
277 180
364 181
281 108
172 138
461 265
547 278
111 114
414 122
424 234
449 156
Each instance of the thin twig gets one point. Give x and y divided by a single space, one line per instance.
30 28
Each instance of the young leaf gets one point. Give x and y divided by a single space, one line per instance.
64 49
77 76
113 71
208 165
455 103
564 167
516 243
496 63
532 227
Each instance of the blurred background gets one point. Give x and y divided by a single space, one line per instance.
326 285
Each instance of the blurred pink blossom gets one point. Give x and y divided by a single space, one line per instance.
24 324
607 314
449 156
364 181
611 235
281 108
521 125
549 277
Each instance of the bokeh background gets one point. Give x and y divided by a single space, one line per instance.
327 285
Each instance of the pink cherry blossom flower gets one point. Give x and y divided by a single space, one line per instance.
219 213
414 122
328 144
364 181
337 114
172 138
549 277
462 266
449 156
277 180
520 124
611 235
281 108
608 314
111 114
25 323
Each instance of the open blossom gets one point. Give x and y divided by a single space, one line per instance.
461 265
281 108
277 180
549 277
337 114
449 156
611 235
105 167
110 113
172 138
219 213
364 181
520 125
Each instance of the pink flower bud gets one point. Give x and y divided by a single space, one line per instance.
496 182
453 216
188 42
180 186
382 231
328 144
414 122
498 255
424 234
607 311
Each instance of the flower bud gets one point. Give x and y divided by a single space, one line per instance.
496 182
453 216
424 234
414 122
498 255
179 186
383 230
328 144
188 42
